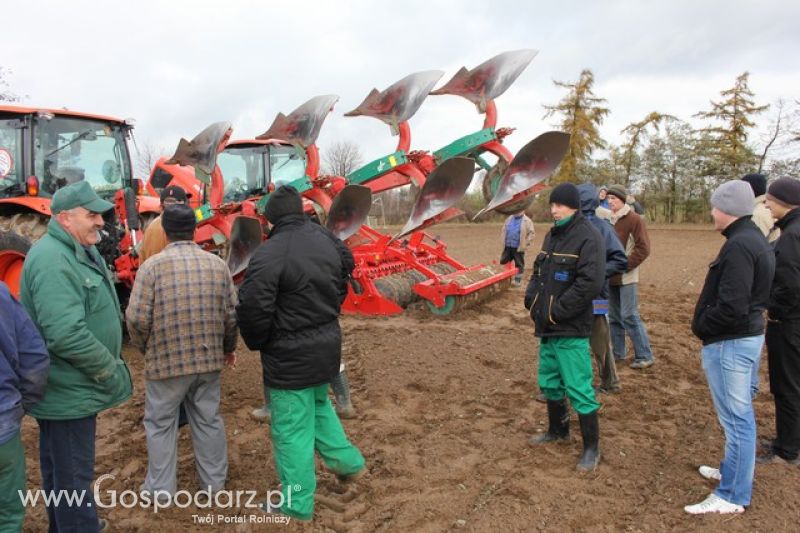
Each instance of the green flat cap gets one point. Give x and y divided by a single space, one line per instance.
79 194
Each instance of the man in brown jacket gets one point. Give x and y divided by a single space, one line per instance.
182 316
155 239
623 312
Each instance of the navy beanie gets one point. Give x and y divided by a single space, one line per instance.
758 182
566 194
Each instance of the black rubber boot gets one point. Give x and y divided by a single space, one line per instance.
590 430
341 391
558 421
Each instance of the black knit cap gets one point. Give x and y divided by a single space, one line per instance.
566 194
178 218
284 201
785 190
758 182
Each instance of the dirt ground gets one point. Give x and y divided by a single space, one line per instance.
445 407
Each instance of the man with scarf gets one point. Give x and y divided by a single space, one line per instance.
568 274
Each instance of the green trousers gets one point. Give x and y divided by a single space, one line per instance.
303 420
565 367
12 479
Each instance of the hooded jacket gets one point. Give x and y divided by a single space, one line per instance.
616 260
23 364
290 300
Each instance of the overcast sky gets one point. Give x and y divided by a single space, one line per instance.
175 67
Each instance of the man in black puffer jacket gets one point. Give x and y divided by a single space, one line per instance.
288 309
568 274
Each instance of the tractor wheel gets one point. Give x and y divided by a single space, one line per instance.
17 235
489 188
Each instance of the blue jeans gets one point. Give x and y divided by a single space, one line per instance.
66 454
623 316
729 367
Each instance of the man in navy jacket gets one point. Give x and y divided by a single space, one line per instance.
616 263
24 364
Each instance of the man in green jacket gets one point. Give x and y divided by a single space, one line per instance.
68 292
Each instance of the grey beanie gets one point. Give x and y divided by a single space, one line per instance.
735 198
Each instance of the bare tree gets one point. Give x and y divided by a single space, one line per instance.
146 156
342 158
5 94
775 131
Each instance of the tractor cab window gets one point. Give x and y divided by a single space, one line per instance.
11 180
285 165
67 150
243 172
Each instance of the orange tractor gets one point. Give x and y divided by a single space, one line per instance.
42 150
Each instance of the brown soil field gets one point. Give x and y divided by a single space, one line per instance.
445 407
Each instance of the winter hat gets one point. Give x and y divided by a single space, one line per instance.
618 191
566 194
178 218
758 182
734 198
786 190
284 201
174 192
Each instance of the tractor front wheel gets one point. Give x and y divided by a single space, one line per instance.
17 234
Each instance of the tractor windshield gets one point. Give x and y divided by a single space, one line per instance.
10 157
285 165
67 150
243 172
243 169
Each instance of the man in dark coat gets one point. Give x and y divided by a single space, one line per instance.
616 263
729 319
783 326
288 309
568 274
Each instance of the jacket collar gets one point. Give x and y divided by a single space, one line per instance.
788 218
558 230
621 213
737 225
287 221
55 230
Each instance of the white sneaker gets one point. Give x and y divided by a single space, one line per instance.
710 473
714 504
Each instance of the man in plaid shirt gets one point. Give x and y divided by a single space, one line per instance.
181 315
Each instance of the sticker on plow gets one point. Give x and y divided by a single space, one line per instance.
6 162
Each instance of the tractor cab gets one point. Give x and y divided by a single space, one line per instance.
42 151
252 168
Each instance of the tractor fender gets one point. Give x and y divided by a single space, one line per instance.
148 204
21 204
